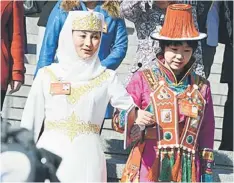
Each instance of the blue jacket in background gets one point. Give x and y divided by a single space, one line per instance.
113 46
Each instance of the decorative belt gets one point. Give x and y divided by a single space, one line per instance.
72 128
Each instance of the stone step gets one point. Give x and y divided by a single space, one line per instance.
12 101
28 80
218 123
113 144
218 111
216 68
214 78
30 69
216 88
31 24
219 54
111 134
18 99
219 89
23 92
218 99
13 109
32 48
132 40
113 139
124 67
32 28
30 59
116 164
32 39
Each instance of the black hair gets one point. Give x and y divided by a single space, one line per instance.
165 43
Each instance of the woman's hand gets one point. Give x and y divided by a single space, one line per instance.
15 86
144 118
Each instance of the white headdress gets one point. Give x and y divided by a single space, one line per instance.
73 67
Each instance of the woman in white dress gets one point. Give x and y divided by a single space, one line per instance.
70 98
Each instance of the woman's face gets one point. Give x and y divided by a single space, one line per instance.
176 57
162 4
86 43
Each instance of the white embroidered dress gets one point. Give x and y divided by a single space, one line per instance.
72 122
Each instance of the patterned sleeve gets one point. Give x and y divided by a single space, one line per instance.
206 139
132 10
198 66
120 118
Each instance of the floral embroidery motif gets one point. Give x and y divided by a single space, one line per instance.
73 126
90 22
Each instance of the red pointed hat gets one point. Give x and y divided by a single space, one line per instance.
178 25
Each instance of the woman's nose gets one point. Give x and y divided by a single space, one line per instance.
179 56
88 41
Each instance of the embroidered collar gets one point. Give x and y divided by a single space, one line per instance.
170 74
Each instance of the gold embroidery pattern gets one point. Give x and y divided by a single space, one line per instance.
73 126
89 23
76 93
150 78
51 74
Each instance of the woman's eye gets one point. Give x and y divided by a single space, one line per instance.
82 36
174 49
95 37
187 50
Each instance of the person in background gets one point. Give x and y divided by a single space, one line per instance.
208 21
174 128
148 16
44 16
226 37
114 40
12 46
70 98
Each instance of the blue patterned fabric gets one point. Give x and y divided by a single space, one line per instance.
207 163
176 88
207 178
122 116
150 109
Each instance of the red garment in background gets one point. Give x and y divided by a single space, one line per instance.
12 42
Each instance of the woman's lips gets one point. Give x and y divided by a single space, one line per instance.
87 51
178 63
